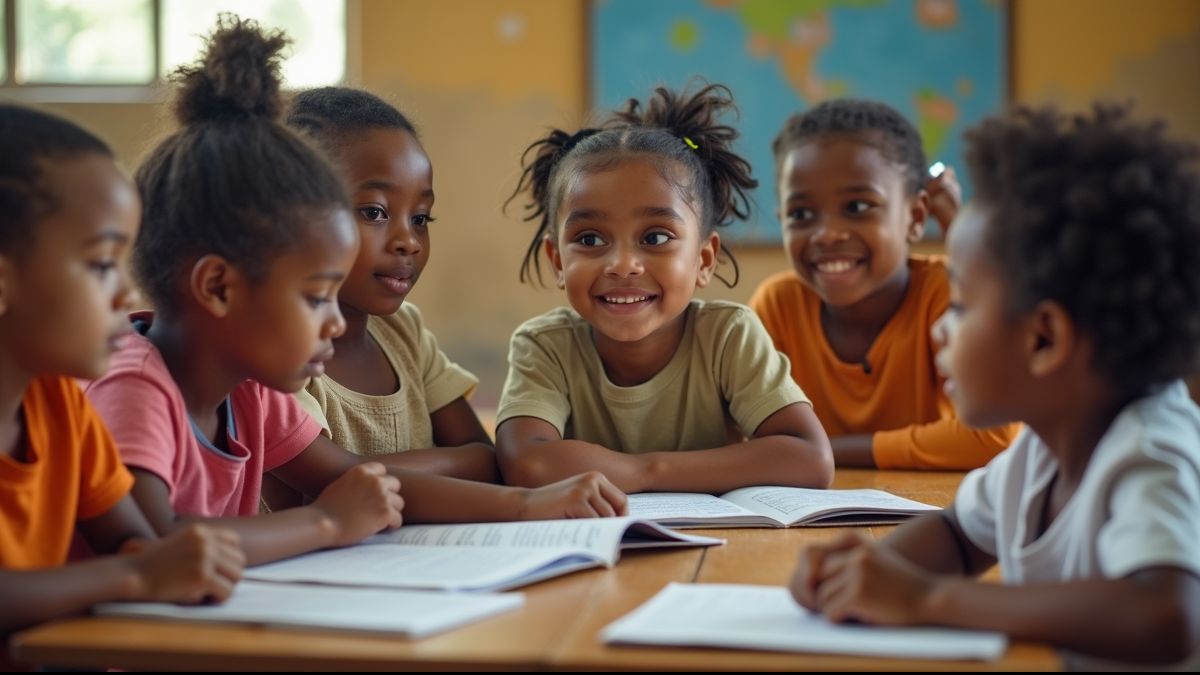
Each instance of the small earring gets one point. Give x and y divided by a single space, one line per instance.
562 283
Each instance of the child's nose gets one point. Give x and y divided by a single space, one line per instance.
624 261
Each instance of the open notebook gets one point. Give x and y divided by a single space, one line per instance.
775 507
766 618
476 557
410 613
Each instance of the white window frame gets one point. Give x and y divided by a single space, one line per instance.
154 91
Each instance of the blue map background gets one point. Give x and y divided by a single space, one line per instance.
942 63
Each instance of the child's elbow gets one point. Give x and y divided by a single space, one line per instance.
1171 633
522 470
813 462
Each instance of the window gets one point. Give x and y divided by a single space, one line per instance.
140 42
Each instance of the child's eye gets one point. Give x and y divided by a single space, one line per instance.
800 215
589 239
858 206
657 238
956 308
423 220
316 301
102 267
373 214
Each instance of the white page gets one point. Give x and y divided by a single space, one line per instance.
791 505
766 618
430 567
412 613
601 537
664 505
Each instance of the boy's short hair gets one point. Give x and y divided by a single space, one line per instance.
1101 213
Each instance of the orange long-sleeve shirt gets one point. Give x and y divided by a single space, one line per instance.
901 401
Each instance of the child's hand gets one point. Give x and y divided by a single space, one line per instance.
588 495
362 502
810 571
858 580
196 564
945 197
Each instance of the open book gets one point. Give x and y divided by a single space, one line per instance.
775 507
476 557
411 613
766 618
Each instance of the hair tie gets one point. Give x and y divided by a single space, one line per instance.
690 143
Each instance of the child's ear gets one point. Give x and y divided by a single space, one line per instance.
710 253
552 252
918 214
212 282
1051 341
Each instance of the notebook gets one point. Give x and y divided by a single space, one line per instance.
768 506
478 556
403 612
767 618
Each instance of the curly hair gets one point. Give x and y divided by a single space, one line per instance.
876 124
232 180
29 140
673 130
1101 213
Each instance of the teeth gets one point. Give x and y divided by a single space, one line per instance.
835 266
627 300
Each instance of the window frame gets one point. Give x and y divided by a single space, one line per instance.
83 92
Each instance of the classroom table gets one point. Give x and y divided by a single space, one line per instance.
556 629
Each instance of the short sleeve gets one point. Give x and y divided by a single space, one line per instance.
444 381
137 412
755 379
104 480
536 385
287 429
1153 509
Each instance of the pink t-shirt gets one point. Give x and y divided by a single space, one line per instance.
144 409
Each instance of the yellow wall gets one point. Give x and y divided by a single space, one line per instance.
481 78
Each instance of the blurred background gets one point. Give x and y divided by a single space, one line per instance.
482 78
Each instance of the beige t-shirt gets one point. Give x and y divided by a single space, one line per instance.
376 425
725 373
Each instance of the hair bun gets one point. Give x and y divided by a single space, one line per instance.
238 75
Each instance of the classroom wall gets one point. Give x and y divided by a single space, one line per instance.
481 78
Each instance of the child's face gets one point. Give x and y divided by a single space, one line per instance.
847 218
982 350
64 300
629 250
284 326
392 183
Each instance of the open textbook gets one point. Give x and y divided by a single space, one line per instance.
768 506
404 612
477 556
766 618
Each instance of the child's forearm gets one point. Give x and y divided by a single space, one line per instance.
1153 616
540 463
473 461
769 460
935 544
31 597
853 451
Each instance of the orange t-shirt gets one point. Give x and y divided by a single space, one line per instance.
71 471
901 400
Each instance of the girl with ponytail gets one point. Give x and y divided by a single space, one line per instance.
246 237
636 369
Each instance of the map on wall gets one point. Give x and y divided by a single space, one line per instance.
942 63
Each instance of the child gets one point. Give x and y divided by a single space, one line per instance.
1076 288
637 369
388 388
69 218
246 238
854 315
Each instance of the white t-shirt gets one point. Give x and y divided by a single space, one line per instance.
1138 505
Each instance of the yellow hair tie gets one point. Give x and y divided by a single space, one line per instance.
691 144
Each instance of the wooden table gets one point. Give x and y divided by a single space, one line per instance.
556 629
